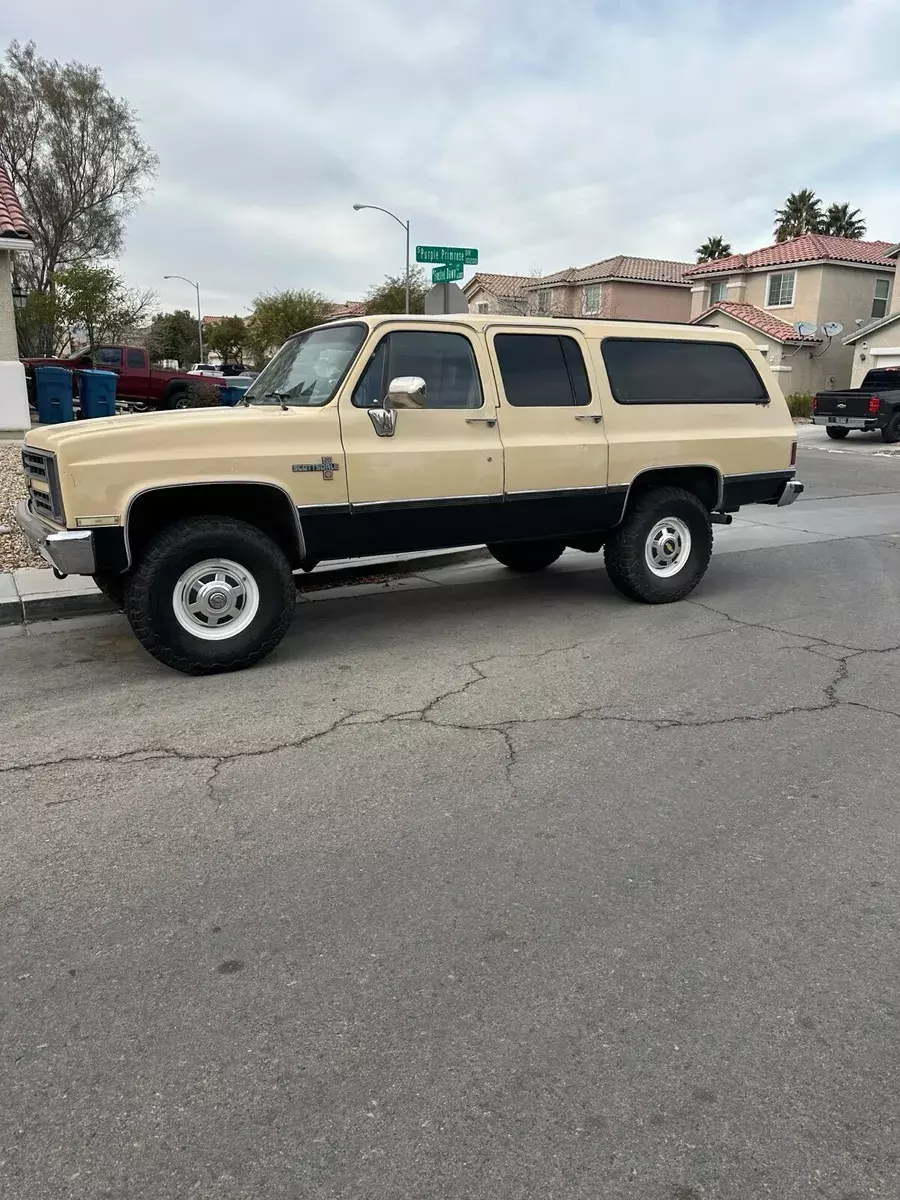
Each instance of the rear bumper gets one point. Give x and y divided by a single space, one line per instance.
792 489
70 551
848 422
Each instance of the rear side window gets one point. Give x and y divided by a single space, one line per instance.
886 379
136 360
541 370
655 371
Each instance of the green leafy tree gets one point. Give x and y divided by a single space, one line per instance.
842 221
802 213
714 247
95 303
174 336
390 295
227 337
276 315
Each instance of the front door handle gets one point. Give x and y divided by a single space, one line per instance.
595 417
489 421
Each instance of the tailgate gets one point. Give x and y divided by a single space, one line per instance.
842 404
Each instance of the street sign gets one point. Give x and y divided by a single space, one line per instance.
445 298
447 254
446 274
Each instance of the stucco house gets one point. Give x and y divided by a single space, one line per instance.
15 236
816 279
651 289
487 293
877 343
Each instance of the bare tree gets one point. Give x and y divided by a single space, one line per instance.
76 160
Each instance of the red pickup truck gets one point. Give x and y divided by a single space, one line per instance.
139 385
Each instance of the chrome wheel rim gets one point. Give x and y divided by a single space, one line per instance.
215 599
668 547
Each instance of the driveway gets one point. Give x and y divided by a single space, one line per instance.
481 887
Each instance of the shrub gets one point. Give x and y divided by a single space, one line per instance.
800 404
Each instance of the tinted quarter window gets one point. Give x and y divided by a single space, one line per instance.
135 360
444 360
654 371
541 370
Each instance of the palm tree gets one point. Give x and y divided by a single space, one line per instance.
802 213
714 247
842 221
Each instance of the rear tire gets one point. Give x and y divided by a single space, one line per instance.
178 399
210 594
838 432
891 431
661 550
527 557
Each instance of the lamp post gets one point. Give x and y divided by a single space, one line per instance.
196 287
19 296
403 225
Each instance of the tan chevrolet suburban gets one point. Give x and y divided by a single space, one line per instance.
386 433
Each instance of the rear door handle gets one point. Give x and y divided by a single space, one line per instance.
595 417
489 421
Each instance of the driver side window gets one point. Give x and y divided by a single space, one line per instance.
444 360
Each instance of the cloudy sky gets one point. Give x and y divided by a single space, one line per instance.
545 134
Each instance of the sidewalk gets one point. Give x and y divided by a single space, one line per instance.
35 594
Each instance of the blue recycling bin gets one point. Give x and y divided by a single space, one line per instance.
53 394
97 390
230 396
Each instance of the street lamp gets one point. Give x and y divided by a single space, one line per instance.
403 225
196 287
19 296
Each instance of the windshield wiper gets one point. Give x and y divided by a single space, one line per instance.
279 396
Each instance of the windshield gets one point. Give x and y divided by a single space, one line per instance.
308 368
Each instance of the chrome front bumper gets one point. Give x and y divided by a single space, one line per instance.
69 551
792 489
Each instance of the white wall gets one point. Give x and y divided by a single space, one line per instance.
14 418
9 348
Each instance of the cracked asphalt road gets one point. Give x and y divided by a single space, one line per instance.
504 890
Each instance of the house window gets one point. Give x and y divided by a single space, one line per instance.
718 291
780 293
880 303
544 298
593 297
482 306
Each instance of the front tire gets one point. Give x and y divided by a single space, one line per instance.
113 588
210 594
838 432
661 550
527 557
891 432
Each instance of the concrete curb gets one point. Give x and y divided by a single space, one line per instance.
35 594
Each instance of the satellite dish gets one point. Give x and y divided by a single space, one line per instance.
805 328
832 328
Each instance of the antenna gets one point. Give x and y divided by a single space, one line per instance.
832 328
805 328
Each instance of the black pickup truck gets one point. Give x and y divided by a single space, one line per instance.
875 405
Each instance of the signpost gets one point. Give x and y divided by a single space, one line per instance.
452 260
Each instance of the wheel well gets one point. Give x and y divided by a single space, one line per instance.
268 508
704 482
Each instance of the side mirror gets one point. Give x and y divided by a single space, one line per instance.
407 391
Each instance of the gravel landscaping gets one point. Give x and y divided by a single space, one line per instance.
14 550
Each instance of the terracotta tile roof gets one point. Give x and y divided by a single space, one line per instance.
757 318
812 247
624 266
508 287
352 308
12 219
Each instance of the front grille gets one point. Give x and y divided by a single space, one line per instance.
35 465
42 504
43 467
